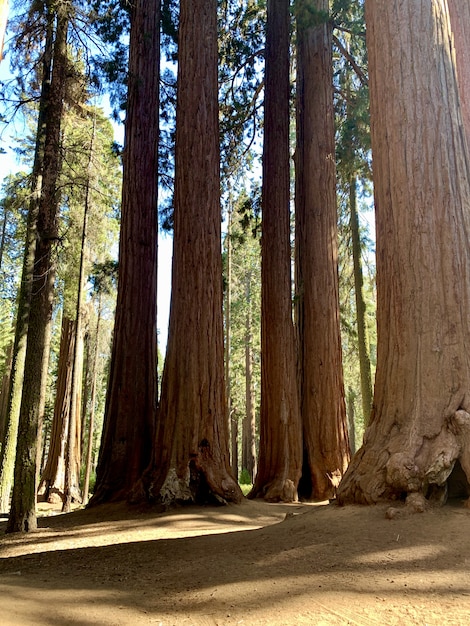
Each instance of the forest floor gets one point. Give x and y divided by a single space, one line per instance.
254 563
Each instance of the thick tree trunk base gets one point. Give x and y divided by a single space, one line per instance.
411 468
282 490
195 486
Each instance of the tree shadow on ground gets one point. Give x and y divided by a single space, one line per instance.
312 559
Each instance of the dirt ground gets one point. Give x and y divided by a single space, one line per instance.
255 563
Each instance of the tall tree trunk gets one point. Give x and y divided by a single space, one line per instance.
23 508
323 408
351 419
7 456
234 442
249 423
4 229
91 423
280 456
228 331
191 454
420 422
362 340
52 485
130 411
5 386
73 452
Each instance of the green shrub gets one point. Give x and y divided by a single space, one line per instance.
245 478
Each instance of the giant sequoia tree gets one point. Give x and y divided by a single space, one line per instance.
326 447
420 423
191 459
280 456
132 390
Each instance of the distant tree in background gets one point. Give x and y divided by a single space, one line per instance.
354 183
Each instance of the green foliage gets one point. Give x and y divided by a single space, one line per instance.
246 489
307 15
109 20
245 300
91 174
13 211
241 59
353 162
348 303
244 478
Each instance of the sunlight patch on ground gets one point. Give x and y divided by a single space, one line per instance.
425 552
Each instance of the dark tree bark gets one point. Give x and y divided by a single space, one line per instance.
4 387
420 423
52 485
323 408
280 447
130 411
191 455
23 508
7 457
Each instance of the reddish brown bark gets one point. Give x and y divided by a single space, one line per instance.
132 392
323 409
280 447
51 488
421 415
191 457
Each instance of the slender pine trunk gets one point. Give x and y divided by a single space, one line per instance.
23 509
7 456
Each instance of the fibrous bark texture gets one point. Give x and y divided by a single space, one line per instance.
23 505
8 451
130 411
460 23
280 446
421 415
51 488
323 408
191 455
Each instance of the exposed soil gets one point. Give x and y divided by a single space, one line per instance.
254 563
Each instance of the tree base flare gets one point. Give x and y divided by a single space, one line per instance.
427 469
195 487
276 491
